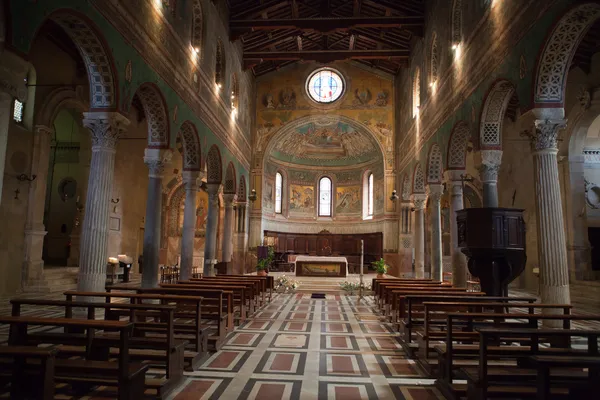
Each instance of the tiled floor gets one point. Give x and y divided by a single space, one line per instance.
303 348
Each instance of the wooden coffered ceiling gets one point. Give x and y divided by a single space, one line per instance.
275 33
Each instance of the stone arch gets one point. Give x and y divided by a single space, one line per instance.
416 91
457 146
434 165
58 99
493 113
557 54
434 60
230 186
155 110
95 54
197 26
176 200
418 186
192 159
220 66
456 22
242 194
406 188
214 166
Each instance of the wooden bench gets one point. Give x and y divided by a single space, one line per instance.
163 349
28 379
485 382
395 308
543 365
129 378
386 292
376 281
267 282
255 284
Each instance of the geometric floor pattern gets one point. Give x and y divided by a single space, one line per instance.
310 349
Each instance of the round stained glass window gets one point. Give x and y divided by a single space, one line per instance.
325 85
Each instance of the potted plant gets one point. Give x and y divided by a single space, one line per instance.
380 268
261 267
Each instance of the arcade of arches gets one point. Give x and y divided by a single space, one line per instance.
148 131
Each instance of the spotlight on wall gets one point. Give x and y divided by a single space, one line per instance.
394 195
23 178
252 196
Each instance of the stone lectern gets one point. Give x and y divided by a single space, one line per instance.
493 239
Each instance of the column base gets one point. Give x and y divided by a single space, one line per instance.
554 295
91 282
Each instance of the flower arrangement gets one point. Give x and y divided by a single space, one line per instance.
284 284
353 286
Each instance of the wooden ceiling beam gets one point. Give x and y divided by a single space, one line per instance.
324 25
324 56
255 11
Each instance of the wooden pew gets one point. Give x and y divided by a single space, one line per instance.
28 379
413 313
544 364
194 331
376 281
383 283
449 351
267 282
158 349
395 307
386 288
260 283
128 377
485 381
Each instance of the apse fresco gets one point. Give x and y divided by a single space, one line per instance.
302 199
348 200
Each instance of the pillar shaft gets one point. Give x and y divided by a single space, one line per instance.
5 115
105 129
419 239
156 160
212 219
490 165
459 260
227 250
435 196
552 250
34 226
190 179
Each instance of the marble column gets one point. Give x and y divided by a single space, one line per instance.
419 201
552 247
33 266
105 129
459 260
227 250
190 179
212 221
490 165
156 160
435 196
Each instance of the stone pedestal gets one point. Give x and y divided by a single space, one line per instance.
33 265
459 261
210 245
105 129
190 179
552 249
490 165
435 196
227 250
419 238
156 160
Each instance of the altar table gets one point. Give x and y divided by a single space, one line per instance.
321 266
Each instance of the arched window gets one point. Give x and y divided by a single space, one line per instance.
456 23
197 26
278 192
416 92
435 62
370 196
325 189
220 64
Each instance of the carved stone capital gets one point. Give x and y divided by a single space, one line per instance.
105 128
435 192
157 160
191 179
213 193
419 201
229 199
489 172
545 135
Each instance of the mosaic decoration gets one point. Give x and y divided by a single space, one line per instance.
457 21
434 165
435 59
214 165
326 142
268 196
302 199
406 188
418 180
299 176
558 52
230 180
197 26
457 149
348 200
191 147
156 114
492 118
95 56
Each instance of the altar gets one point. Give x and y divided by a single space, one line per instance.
321 266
